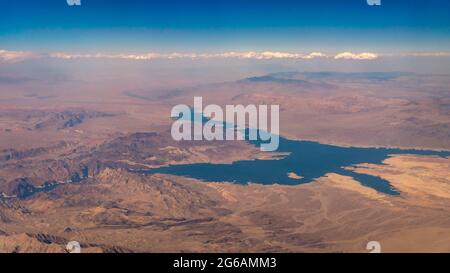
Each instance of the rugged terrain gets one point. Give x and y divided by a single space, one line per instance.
66 161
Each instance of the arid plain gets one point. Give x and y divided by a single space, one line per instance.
94 136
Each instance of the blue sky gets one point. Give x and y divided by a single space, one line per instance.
217 25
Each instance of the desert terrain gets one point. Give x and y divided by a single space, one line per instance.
66 161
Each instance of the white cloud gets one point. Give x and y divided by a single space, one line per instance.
146 56
313 55
15 56
265 55
353 56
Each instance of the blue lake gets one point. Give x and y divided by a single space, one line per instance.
310 160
